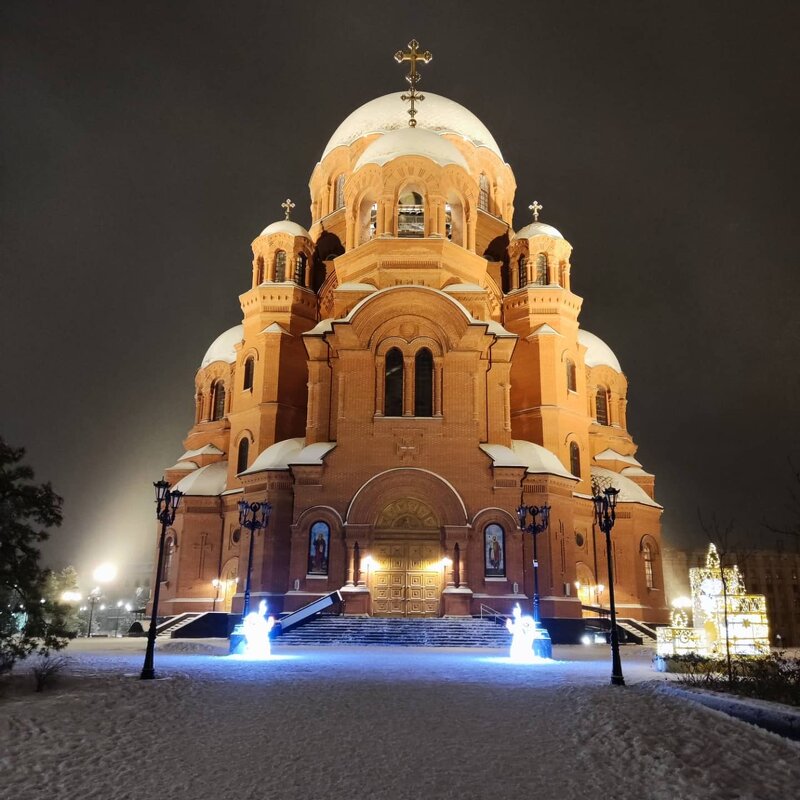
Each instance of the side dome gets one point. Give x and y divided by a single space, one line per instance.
538 229
223 348
411 142
390 113
598 353
286 226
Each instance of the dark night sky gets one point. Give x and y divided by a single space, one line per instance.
147 144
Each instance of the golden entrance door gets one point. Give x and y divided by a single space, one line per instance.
407 579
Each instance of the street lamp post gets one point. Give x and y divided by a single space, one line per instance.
252 516
605 504
94 599
166 505
534 527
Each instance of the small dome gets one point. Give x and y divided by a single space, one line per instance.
286 226
207 481
223 348
538 229
411 142
390 113
598 353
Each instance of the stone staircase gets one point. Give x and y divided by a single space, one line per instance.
402 632
170 628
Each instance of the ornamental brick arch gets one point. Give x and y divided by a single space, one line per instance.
376 495
435 314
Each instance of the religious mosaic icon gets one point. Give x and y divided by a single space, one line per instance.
494 552
319 544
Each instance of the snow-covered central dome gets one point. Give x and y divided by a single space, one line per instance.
223 348
598 353
390 113
411 142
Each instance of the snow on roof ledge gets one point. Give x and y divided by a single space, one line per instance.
543 330
535 458
208 481
612 455
352 286
183 465
277 456
314 453
629 492
275 328
207 450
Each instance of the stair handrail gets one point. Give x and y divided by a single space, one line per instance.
492 613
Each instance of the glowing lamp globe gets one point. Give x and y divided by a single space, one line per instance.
105 573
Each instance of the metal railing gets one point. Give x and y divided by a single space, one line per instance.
493 614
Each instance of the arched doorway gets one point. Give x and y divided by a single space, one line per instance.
229 580
589 590
400 515
406 568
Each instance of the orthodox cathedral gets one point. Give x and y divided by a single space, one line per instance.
408 370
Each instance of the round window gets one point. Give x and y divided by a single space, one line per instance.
579 538
236 535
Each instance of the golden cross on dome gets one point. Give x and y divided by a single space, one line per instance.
536 207
413 55
287 205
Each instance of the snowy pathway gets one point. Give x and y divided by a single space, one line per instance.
375 723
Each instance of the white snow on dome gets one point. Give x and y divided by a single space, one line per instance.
207 481
223 347
598 353
534 457
277 456
629 492
411 142
286 226
390 113
538 229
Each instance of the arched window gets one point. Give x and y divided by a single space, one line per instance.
169 552
411 216
423 383
572 376
339 193
575 459
218 401
393 384
494 551
647 555
522 268
249 369
300 269
602 406
372 226
319 540
241 457
483 193
448 221
541 269
280 266
260 270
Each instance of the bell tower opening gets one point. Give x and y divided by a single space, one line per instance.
411 216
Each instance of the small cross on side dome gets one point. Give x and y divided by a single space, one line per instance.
536 207
413 55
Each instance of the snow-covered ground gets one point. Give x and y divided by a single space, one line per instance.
373 722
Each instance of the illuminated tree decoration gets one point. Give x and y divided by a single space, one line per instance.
723 615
